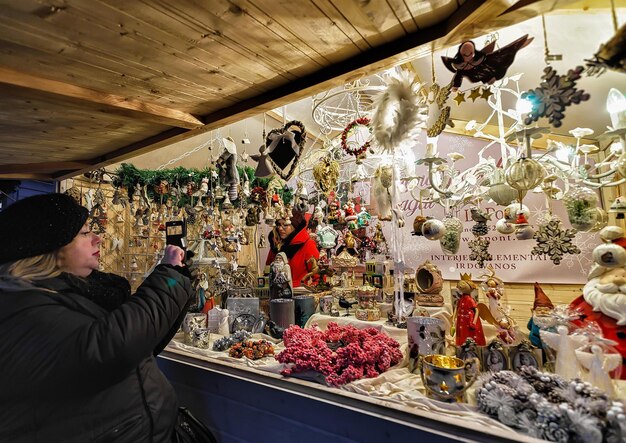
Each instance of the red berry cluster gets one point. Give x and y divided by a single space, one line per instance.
365 352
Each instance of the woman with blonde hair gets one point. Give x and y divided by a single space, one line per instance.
78 350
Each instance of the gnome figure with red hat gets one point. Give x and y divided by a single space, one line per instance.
604 296
541 316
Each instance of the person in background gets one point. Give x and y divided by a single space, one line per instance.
78 351
290 235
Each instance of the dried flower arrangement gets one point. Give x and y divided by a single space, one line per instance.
360 352
251 349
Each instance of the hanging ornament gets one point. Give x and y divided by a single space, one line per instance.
438 112
284 148
460 98
326 174
486 65
554 241
451 240
433 229
262 241
525 174
474 94
399 112
480 250
580 203
481 218
618 207
610 254
610 55
504 227
523 230
554 94
352 147
512 210
501 193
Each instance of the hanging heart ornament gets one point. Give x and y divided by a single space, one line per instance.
285 147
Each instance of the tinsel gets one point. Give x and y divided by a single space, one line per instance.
549 407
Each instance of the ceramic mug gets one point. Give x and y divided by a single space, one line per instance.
282 312
200 338
446 378
304 308
193 321
426 335
326 304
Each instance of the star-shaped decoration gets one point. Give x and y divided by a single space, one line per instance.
428 373
554 94
474 94
460 98
486 93
480 250
554 241
443 387
458 378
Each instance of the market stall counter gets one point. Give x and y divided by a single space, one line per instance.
249 400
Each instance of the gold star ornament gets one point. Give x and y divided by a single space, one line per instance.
443 387
486 93
460 98
475 94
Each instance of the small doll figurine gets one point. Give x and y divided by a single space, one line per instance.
264 168
201 291
484 65
466 319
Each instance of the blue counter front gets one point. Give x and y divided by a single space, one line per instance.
242 404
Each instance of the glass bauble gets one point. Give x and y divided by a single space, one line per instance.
502 194
602 218
504 227
525 174
451 240
433 229
581 203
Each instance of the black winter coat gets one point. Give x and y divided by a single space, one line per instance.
73 372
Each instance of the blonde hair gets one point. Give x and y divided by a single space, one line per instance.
38 267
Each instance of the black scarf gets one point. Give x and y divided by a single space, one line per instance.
108 291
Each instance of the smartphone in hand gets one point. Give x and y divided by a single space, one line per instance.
176 233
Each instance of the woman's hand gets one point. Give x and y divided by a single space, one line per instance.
173 256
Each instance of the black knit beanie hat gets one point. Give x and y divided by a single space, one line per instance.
39 225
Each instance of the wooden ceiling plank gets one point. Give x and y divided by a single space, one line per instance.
26 176
389 23
404 15
362 22
222 38
35 61
141 110
303 18
343 23
27 30
130 19
365 63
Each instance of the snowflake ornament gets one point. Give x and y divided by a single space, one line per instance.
554 241
553 95
480 250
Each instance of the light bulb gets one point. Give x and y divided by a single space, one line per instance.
523 106
616 106
615 102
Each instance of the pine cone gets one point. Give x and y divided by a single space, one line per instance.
480 229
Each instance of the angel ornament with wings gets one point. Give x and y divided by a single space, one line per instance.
486 65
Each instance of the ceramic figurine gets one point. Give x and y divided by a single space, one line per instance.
564 344
382 182
466 319
523 230
604 302
495 313
429 284
541 317
228 161
281 285
202 287
599 365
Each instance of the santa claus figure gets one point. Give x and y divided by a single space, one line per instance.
604 296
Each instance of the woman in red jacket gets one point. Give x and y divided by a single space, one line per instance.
290 235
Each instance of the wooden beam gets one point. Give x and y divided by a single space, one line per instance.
41 167
26 176
134 108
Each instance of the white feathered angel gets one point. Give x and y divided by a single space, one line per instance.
600 365
566 364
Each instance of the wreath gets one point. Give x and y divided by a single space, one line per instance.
353 148
400 112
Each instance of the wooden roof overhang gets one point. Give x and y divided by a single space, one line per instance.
88 83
